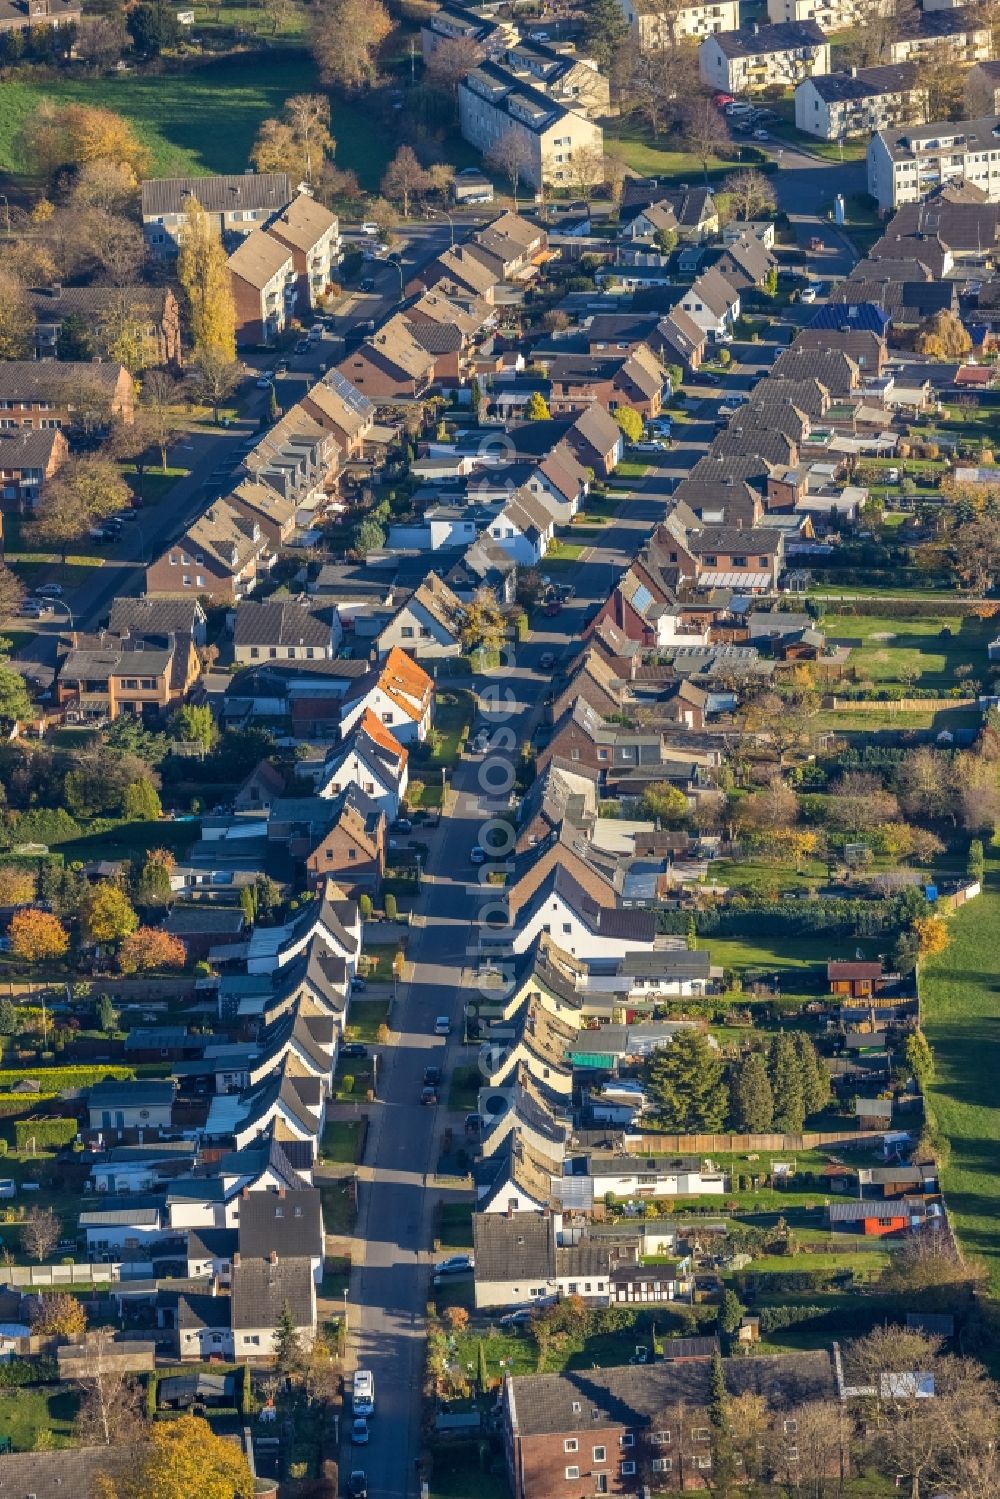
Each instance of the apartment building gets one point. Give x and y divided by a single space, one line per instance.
237 204
156 308
758 57
840 106
265 287
982 90
42 394
907 163
829 15
655 26
312 234
958 34
574 81
219 556
27 460
496 104
453 23
28 15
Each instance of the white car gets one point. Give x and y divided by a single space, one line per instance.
808 294
761 135
369 228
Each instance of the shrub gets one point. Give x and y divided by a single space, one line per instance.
46 1133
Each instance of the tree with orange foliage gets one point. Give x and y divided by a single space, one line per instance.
151 947
37 935
932 935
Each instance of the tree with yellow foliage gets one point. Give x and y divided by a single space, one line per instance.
182 1458
203 272
932 935
943 337
70 135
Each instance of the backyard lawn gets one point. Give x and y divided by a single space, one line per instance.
366 1017
783 952
453 716
25 1413
204 119
341 1143
960 1016
917 651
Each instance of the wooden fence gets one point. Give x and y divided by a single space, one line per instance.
657 1144
899 705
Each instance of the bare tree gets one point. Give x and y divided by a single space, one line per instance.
587 171
450 61
109 1410
749 194
704 130
40 1233
809 1448
511 156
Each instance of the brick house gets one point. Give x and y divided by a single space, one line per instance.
352 850
579 380
342 410
597 440
157 306
27 460
612 1431
264 284
40 394
28 15
220 555
390 363
312 233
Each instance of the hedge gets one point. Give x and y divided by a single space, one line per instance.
58 1078
859 918
45 1132
914 608
24 1371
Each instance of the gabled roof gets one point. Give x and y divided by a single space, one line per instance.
279 622
711 287
153 616
756 41
519 1248
244 190
287 1223
342 402
260 1289
866 83
303 222
259 259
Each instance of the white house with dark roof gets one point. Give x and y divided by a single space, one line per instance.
712 303
838 106
494 102
427 625
372 759
238 204
758 57
283 628
563 909
524 528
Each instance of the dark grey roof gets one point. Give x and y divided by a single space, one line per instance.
279 622
211 1243
153 616
633 1396
247 190
27 448
61 1474
144 1094
517 1248
290 1223
855 1212
784 36
866 83
193 921
260 1289
52 380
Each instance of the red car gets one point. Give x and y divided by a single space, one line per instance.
720 99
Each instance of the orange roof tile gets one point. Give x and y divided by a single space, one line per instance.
382 736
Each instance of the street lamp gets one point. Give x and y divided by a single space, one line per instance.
451 221
384 260
62 604
346 1323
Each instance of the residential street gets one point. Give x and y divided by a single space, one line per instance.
391 1279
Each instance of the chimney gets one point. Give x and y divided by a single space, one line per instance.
236 1260
854 70
245 1193
281 1191
510 1212
274 1256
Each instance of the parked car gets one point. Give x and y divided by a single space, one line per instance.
478 854
281 368
359 1431
302 346
547 660
8 1188
432 1077
807 294
761 135
34 608
520 1318
552 607
368 284
357 1484
264 382
428 1095
51 590
442 1026
358 984
456 1264
354 1049
402 825
369 228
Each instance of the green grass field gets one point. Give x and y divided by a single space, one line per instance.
202 120
782 952
960 1016
912 650
650 158
25 1413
